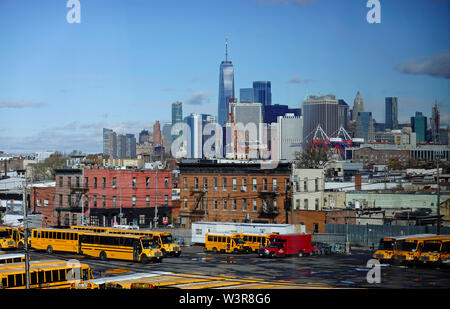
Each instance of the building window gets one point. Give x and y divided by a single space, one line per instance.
69 181
244 185
147 182
185 202
224 184
305 185
133 201
95 182
60 181
45 203
274 203
264 184
77 181
141 219
195 183
205 183
305 203
297 186
215 204
255 204
244 204
215 184
316 184
204 203
114 183
224 204
297 204
234 184
133 182
86 183
95 201
254 185
274 184
114 202
286 185
104 201
166 182
184 183
104 182
166 199
317 204
316 227
39 203
147 200
69 201
234 206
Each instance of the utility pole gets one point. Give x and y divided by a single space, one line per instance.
438 230
25 233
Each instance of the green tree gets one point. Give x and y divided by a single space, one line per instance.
46 169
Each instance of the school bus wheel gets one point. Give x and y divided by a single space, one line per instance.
144 259
103 256
49 249
214 250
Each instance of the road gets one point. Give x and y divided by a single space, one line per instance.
333 271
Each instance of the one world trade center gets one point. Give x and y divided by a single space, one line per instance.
226 87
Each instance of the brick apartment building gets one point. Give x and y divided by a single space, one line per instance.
69 191
42 199
130 194
232 192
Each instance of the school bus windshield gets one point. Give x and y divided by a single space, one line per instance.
432 247
167 239
5 234
239 241
408 246
386 245
149 244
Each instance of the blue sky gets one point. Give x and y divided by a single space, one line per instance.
127 61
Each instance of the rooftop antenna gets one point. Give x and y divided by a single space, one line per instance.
226 49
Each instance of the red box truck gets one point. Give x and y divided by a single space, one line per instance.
288 244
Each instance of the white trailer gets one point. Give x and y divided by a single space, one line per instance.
199 229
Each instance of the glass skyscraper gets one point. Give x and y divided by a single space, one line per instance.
419 125
391 113
262 93
226 88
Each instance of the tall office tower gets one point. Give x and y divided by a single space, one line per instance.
262 93
419 125
157 133
109 142
245 138
364 127
167 136
144 136
194 139
177 112
290 136
226 87
435 123
246 95
323 110
344 112
358 106
271 112
391 113
130 145
122 146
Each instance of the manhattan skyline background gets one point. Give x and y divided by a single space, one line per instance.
126 62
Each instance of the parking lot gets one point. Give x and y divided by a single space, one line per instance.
327 271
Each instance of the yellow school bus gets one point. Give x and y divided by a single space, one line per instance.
120 246
11 258
435 251
57 275
224 242
48 239
252 242
408 250
165 240
11 238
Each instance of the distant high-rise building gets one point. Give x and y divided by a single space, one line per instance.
246 95
109 142
167 136
435 123
391 113
271 112
144 137
290 136
130 145
344 112
157 133
419 126
364 127
122 146
358 106
323 110
194 140
226 88
177 112
262 93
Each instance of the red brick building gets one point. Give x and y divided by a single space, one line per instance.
232 192
130 194
42 199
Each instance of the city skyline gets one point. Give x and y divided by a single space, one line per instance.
63 83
